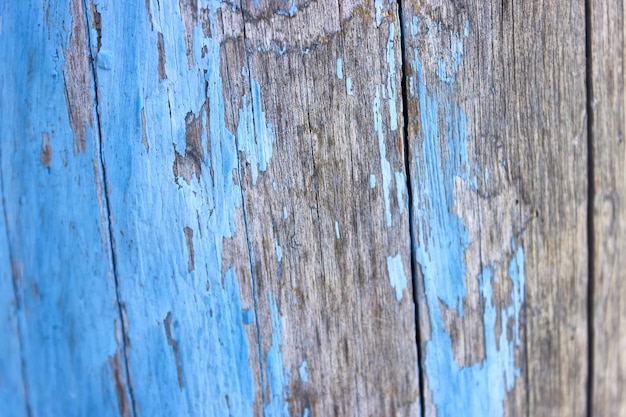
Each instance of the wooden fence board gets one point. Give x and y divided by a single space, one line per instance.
333 198
608 120
496 105
62 300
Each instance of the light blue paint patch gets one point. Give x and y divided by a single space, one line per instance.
504 163
349 86
456 50
340 68
248 316
384 163
372 180
378 6
479 389
391 79
337 235
486 175
274 186
305 413
516 273
290 12
254 133
397 277
467 28
304 376
414 29
279 251
400 191
285 214
277 376
105 60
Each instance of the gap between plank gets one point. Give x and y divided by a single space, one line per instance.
407 166
590 206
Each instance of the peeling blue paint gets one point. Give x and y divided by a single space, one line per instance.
397 277
285 214
378 7
349 86
372 180
304 376
279 251
339 68
254 133
289 12
478 389
385 167
337 234
277 376
149 205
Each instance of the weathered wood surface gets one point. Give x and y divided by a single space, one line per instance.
217 208
608 126
497 145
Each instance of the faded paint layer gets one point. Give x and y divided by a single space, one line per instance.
57 289
440 247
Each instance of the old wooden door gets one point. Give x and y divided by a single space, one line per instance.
312 208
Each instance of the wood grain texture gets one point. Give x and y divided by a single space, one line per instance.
497 128
328 220
609 206
280 272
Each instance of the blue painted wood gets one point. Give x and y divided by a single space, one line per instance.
55 235
173 183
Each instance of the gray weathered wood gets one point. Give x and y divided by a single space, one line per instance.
320 67
608 121
497 137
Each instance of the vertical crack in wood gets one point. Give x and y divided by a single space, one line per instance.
245 221
590 205
407 168
107 210
15 295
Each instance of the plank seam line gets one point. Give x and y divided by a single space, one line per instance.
590 207
107 209
245 219
17 298
407 167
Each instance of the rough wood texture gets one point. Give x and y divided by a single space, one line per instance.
608 122
496 110
220 208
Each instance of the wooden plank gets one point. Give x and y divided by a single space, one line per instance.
496 107
333 200
608 122
239 152
61 301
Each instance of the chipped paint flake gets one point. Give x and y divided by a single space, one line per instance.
400 191
254 133
392 94
385 167
304 376
349 86
340 68
372 180
279 251
337 234
277 376
397 277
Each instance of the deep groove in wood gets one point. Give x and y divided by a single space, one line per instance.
590 205
107 210
407 166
